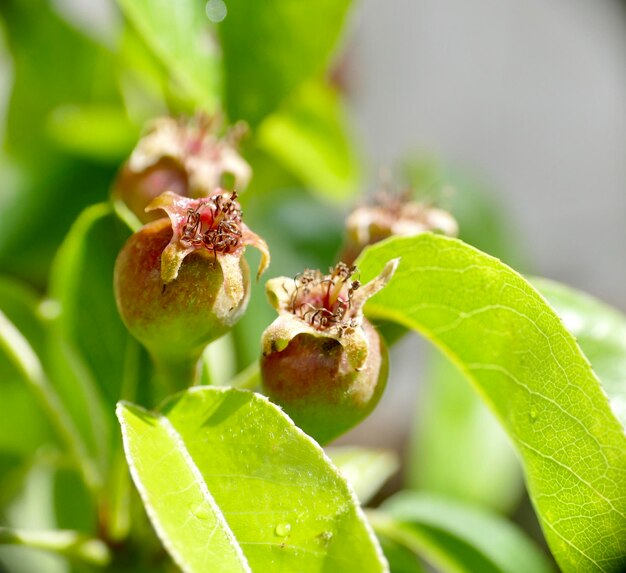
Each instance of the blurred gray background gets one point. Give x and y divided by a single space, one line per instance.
531 94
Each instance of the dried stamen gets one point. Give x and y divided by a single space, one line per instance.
325 301
215 224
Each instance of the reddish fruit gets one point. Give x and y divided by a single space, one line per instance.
186 157
181 283
390 216
322 361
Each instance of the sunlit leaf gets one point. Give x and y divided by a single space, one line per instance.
527 366
458 448
601 333
230 484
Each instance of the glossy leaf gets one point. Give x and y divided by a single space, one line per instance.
270 48
527 366
308 136
458 538
366 470
601 332
230 484
178 34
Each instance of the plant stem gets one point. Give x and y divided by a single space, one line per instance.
248 379
70 544
26 361
174 375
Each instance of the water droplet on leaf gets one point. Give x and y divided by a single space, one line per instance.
202 513
282 529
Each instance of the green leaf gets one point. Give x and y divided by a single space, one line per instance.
44 189
459 449
601 333
39 40
100 132
230 484
514 349
81 283
19 304
456 537
178 33
27 363
401 559
270 48
308 135
366 470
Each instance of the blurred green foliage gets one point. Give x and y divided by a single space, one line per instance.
76 103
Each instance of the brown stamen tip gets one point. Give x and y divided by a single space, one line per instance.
325 301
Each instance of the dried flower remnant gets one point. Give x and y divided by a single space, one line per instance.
322 361
393 215
211 226
325 301
184 156
183 282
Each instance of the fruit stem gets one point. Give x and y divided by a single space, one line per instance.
174 374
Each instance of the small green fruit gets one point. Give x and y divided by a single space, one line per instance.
182 282
181 317
313 380
322 361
